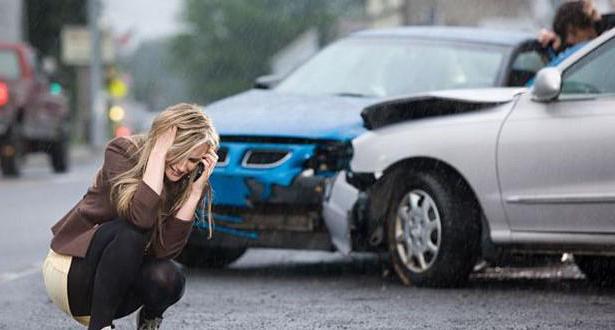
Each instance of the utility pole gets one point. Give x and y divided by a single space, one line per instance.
97 107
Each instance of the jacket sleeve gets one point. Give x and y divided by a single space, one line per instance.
175 233
143 209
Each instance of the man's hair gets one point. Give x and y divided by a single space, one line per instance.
571 15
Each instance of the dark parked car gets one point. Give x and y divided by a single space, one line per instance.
283 147
32 118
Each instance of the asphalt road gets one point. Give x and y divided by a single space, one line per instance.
281 289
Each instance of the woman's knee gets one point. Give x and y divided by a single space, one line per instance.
164 278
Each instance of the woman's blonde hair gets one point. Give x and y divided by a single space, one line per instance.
194 128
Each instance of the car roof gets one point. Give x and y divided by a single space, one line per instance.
450 33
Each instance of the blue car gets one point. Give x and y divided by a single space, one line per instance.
284 143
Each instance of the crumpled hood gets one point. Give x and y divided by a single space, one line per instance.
432 104
271 113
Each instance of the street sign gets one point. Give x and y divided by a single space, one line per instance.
76 46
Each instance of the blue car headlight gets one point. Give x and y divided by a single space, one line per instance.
330 157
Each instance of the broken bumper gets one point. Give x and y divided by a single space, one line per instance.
289 218
268 206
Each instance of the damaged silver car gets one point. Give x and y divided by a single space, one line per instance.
531 171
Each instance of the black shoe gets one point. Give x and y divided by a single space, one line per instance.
147 324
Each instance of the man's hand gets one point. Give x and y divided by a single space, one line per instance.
547 37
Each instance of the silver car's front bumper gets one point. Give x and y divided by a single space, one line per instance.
337 208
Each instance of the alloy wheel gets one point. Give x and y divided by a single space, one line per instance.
418 231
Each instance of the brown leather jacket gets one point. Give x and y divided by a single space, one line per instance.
73 233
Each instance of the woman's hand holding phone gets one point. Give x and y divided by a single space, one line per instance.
208 164
198 188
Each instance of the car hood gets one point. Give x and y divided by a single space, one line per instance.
274 114
434 104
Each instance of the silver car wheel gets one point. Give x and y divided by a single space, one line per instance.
418 231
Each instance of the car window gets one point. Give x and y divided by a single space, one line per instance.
594 74
9 64
393 67
525 66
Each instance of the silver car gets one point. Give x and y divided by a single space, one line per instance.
526 170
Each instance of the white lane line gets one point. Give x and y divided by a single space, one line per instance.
11 276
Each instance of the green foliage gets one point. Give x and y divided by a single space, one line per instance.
228 43
154 81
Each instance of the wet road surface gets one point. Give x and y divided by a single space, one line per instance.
282 289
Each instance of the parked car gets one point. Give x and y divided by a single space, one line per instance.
283 147
533 170
32 118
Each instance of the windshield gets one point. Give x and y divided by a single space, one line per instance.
9 64
363 67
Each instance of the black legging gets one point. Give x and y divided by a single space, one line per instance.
115 278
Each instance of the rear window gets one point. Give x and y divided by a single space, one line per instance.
9 64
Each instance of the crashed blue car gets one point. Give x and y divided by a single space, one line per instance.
284 143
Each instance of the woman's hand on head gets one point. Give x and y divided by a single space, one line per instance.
209 162
155 168
165 140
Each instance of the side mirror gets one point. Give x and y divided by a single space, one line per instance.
266 82
548 85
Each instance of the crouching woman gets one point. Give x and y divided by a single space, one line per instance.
111 254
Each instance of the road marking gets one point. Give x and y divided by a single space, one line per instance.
11 276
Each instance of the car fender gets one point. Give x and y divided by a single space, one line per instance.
466 142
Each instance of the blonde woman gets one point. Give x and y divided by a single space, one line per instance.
110 255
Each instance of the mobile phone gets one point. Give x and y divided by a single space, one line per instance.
200 167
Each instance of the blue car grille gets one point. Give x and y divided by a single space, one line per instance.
279 165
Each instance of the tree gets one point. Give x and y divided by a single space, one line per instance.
45 20
228 43
157 88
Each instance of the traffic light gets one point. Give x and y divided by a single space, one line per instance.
116 114
55 88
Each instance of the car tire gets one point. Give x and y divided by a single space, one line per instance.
208 257
433 230
58 154
12 152
597 269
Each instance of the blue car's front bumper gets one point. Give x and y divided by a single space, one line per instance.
278 206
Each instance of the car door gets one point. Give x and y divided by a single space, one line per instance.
525 62
556 160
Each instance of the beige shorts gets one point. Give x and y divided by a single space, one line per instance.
55 275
